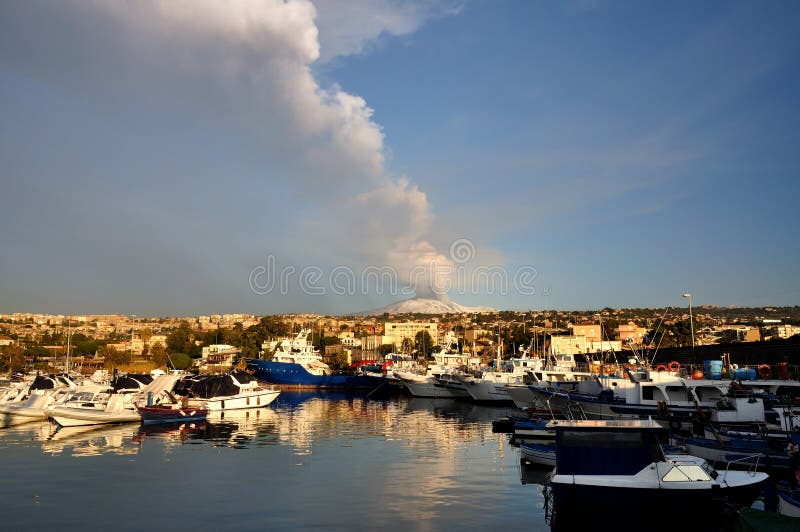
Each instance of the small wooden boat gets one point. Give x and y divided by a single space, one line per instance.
170 414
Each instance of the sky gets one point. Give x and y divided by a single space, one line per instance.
193 157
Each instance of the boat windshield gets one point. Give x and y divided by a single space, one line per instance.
686 473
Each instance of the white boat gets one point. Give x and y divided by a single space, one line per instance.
493 386
114 404
231 391
444 378
430 383
621 464
28 404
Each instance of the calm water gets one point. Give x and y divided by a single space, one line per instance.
309 461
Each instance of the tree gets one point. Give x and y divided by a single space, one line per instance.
407 346
423 343
13 359
145 334
158 354
385 349
182 340
112 357
181 361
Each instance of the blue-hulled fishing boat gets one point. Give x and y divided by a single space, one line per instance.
297 364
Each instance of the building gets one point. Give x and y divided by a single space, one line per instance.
740 333
786 331
631 333
580 345
472 335
350 342
592 331
396 331
568 345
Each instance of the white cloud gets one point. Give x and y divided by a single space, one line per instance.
250 63
348 27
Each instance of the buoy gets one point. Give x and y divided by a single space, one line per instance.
697 375
764 372
674 367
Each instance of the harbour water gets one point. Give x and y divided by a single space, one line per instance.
309 461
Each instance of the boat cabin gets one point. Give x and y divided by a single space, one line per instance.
622 447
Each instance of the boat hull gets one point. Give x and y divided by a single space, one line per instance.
539 453
577 505
788 505
488 392
294 376
152 415
75 417
255 399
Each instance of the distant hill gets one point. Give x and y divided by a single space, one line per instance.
419 305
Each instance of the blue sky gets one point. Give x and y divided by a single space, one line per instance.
154 157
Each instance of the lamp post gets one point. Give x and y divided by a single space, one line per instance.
691 321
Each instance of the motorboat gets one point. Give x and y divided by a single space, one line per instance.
115 404
231 391
25 404
621 464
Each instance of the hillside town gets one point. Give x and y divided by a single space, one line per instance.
215 342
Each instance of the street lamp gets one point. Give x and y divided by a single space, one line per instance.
691 321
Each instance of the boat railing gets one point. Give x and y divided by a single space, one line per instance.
752 467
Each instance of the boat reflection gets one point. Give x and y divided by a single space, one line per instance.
533 474
92 440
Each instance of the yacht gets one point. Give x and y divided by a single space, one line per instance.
27 403
112 404
231 391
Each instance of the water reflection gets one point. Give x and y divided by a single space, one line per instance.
92 440
424 463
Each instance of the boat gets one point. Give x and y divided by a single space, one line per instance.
297 364
789 503
230 391
541 454
28 403
620 465
432 383
661 395
758 453
533 429
112 405
170 414
493 386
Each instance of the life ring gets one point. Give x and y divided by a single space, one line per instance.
764 372
459 361
661 367
674 366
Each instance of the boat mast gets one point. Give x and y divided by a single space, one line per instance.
69 337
